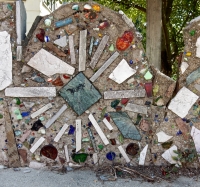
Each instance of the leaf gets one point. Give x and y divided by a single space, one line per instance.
175 158
103 113
175 151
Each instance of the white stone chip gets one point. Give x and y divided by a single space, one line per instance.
98 129
143 155
124 154
49 64
82 50
36 145
62 42
61 132
184 66
19 53
162 137
66 153
136 108
41 110
198 48
95 158
108 125
122 72
30 92
182 102
56 116
36 165
5 60
195 133
168 154
78 135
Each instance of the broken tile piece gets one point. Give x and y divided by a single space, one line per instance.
124 154
55 49
6 60
195 133
125 125
104 67
143 155
78 135
136 108
182 102
198 48
99 51
80 94
19 53
82 50
98 129
49 64
41 110
62 42
25 136
183 127
162 137
71 48
144 125
30 92
122 72
61 132
37 144
56 116
193 76
108 125
66 153
184 66
26 69
124 94
168 154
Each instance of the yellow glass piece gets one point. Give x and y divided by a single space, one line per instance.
96 8
100 35
155 90
188 54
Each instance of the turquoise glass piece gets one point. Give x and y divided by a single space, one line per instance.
80 94
193 76
64 22
125 125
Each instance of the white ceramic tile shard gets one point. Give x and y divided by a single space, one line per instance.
182 102
99 51
66 153
162 137
107 123
5 60
195 133
41 110
19 53
56 116
198 48
82 50
49 64
122 72
104 67
78 135
30 92
124 94
184 66
98 129
126 19
124 154
168 154
95 158
36 145
143 155
62 42
61 132
71 48
136 108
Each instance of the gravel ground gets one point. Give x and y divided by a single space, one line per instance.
10 178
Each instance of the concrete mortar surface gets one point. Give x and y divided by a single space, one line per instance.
84 178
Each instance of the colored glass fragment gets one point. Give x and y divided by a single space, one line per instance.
100 147
96 8
113 141
167 145
58 82
40 36
110 156
104 25
124 101
25 114
49 151
80 157
121 139
37 125
148 75
111 48
148 87
125 41
132 149
18 133
71 129
17 100
115 103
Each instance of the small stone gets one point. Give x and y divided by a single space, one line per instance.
132 149
87 7
37 157
110 156
80 157
26 69
36 165
144 125
47 22
49 151
148 75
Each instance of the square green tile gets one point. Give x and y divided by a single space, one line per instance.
80 94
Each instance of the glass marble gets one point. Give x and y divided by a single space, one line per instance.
132 149
110 156
49 151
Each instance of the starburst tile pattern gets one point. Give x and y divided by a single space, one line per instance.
80 93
